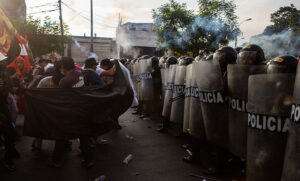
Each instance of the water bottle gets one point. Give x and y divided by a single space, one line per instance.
127 159
129 137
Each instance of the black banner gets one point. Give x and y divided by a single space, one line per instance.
71 113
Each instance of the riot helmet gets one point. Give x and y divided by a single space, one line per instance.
225 56
134 60
238 49
144 57
162 61
171 60
209 57
203 58
186 61
198 58
251 55
155 61
283 64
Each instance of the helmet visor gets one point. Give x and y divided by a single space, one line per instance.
247 58
219 57
276 69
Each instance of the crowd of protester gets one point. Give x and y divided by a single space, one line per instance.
16 76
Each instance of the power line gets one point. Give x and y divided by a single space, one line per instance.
43 5
101 24
46 11
88 19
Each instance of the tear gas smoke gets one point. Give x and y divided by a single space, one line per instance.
283 43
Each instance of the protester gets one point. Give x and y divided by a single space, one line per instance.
51 61
50 81
107 71
40 68
91 78
46 81
6 127
73 79
17 69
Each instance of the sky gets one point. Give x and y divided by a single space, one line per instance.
76 13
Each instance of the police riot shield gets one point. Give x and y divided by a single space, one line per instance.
164 79
146 81
136 77
237 113
169 91
269 107
177 108
187 99
211 87
196 126
291 166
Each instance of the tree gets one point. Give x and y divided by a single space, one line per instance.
170 21
43 36
185 32
286 17
216 24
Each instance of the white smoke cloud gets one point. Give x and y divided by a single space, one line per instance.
284 43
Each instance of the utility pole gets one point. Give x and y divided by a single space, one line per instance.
61 25
92 28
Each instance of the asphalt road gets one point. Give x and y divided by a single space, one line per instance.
156 157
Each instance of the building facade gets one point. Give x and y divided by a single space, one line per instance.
136 39
79 50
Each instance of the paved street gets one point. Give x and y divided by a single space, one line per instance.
155 157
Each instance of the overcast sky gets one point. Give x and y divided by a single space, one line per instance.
106 13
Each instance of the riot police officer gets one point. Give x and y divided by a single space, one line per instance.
171 66
270 98
157 85
291 166
249 62
212 85
283 64
251 55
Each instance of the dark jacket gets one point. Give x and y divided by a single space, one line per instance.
91 78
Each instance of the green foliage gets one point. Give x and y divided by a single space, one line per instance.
185 32
286 17
44 36
169 20
223 27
